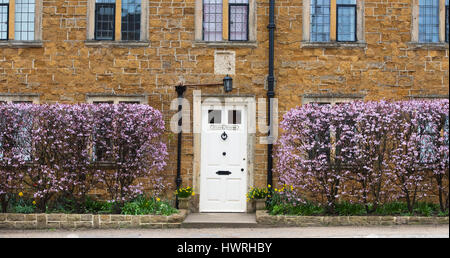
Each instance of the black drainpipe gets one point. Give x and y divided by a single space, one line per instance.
270 91
180 91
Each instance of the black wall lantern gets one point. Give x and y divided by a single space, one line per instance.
228 83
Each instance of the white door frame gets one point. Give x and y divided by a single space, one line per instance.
250 104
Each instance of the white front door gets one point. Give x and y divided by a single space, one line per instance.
223 174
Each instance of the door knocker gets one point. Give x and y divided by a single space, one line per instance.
224 136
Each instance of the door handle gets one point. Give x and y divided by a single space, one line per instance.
223 173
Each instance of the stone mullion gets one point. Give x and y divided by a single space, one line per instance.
11 19
333 16
118 26
225 20
442 20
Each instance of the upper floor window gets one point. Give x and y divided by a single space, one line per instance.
320 20
346 20
430 21
105 11
333 20
225 20
220 17
118 20
4 17
19 20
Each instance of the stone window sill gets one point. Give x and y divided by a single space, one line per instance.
333 44
428 46
21 44
120 44
226 44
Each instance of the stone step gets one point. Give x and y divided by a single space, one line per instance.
220 220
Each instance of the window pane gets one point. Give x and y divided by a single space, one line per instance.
4 10
212 22
214 116
234 117
320 20
104 20
346 22
238 22
429 20
24 24
131 19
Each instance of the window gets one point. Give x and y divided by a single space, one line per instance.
234 117
225 20
212 20
131 20
429 21
238 23
237 12
118 20
215 116
18 20
104 19
102 144
346 20
21 136
24 24
4 18
326 21
320 20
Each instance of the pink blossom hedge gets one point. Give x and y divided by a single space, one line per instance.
67 150
366 152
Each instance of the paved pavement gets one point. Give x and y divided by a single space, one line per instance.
310 232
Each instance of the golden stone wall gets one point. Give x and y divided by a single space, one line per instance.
65 68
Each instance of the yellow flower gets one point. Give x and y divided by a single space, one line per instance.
20 194
34 202
269 186
193 193
157 199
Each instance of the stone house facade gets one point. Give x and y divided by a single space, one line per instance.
90 51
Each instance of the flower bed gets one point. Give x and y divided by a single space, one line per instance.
50 152
369 153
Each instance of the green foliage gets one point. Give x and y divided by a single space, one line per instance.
24 208
307 209
145 206
97 207
279 206
393 208
350 209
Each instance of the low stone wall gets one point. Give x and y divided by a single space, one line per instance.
264 218
89 221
